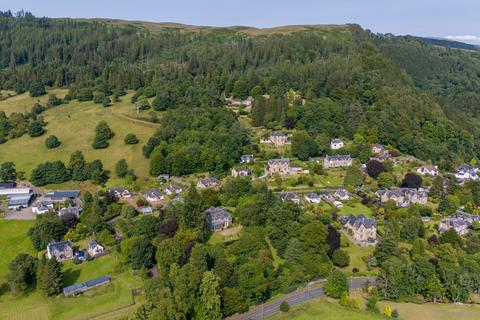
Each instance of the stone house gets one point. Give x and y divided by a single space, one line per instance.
403 197
337 161
362 229
241 172
280 166
218 218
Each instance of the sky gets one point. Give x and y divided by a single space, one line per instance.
452 19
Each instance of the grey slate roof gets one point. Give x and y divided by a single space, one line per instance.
357 221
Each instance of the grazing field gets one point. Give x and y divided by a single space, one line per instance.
13 240
110 302
74 124
411 311
323 310
24 103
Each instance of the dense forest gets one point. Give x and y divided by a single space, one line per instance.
397 91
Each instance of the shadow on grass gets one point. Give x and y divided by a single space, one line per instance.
70 277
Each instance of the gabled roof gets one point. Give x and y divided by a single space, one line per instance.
216 214
336 140
338 158
288 195
152 193
63 194
7 185
60 246
357 221
93 244
279 161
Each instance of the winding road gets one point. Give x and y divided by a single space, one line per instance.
301 295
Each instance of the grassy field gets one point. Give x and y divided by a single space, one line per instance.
24 103
111 302
13 240
67 121
323 310
411 311
113 299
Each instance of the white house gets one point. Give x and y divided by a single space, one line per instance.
313 198
342 194
466 172
42 207
152 195
336 144
94 248
428 170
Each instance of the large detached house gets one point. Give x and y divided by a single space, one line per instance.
467 172
241 172
173 190
460 221
42 207
428 170
247 158
336 144
208 183
313 197
290 196
277 138
362 229
61 250
379 149
280 166
120 193
337 161
153 195
70 210
95 249
403 197
217 218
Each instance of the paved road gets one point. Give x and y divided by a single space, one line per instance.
296 297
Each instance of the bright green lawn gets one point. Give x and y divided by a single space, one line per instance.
323 310
13 240
355 208
74 125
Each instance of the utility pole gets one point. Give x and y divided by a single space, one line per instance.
262 309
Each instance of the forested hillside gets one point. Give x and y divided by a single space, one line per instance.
353 82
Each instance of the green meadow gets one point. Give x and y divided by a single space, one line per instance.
74 124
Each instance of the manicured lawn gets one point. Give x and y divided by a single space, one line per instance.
355 208
13 240
356 254
67 121
98 301
323 310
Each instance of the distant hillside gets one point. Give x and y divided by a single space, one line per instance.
398 91
163 26
450 44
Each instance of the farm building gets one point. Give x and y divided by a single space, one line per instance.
81 287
